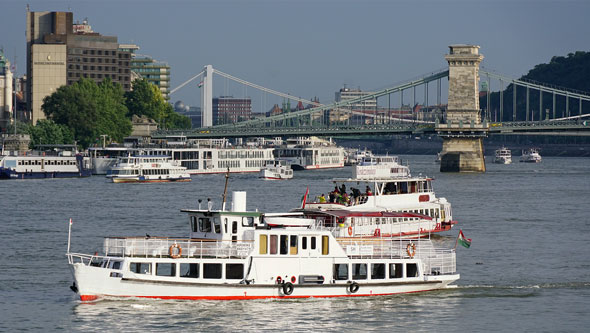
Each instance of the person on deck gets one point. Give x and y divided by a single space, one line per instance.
368 191
322 198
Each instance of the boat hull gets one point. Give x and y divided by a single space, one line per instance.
95 283
6 173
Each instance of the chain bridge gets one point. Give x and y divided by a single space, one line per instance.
559 111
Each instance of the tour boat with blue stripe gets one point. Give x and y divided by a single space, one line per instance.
236 254
40 165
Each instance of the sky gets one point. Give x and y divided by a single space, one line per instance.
311 48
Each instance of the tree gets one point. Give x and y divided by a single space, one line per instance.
89 110
48 132
146 100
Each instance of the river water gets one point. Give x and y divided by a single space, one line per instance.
527 268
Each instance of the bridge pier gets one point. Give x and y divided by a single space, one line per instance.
462 155
462 130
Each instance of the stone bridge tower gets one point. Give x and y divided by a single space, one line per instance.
462 130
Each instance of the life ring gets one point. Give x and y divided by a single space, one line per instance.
279 280
288 288
349 231
411 249
171 251
293 279
353 287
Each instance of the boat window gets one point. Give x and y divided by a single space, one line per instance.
403 187
234 271
225 225
212 271
377 271
204 225
359 271
304 243
411 270
390 188
140 267
325 245
165 269
313 243
194 224
284 244
115 264
263 244
293 245
189 270
234 227
396 271
273 244
247 221
217 224
340 272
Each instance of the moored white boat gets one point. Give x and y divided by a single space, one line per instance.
305 153
41 164
198 156
147 169
276 170
241 254
531 156
503 156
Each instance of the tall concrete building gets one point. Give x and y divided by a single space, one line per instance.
154 71
60 52
6 91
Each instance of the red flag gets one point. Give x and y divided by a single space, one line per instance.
70 221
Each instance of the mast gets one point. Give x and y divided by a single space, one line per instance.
225 189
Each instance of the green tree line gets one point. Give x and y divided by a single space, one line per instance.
85 110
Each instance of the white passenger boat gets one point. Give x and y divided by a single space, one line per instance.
241 254
304 153
198 156
530 156
147 169
355 156
368 208
44 164
503 156
380 166
276 170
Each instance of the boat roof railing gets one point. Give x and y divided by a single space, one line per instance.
380 180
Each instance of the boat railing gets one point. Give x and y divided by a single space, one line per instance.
181 248
435 261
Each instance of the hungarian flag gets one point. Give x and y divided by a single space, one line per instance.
462 240
200 84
